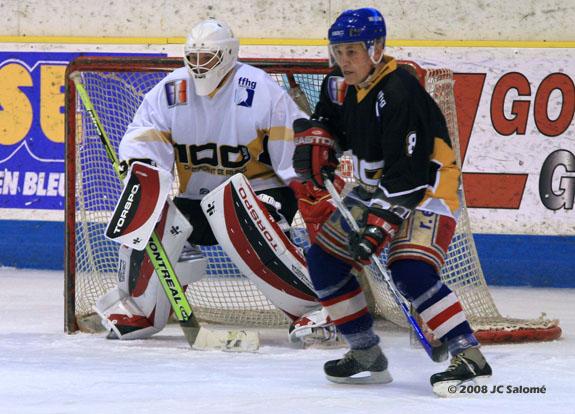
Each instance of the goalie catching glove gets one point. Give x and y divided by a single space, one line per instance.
314 154
380 227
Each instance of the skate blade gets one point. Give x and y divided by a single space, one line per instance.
450 389
331 344
379 377
222 340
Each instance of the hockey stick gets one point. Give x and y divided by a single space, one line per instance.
436 353
197 336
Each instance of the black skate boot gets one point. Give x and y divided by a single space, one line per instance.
359 366
470 365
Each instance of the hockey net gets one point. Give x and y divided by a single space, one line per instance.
116 87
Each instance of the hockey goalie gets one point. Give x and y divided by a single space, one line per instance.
227 128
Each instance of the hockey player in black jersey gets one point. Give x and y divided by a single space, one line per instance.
406 199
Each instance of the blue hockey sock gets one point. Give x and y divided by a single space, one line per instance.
341 295
434 301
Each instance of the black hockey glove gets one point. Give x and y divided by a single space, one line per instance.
380 228
314 153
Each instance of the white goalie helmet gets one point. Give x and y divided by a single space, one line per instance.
210 52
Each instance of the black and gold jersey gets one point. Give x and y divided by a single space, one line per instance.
398 139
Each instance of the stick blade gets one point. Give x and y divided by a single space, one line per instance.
222 340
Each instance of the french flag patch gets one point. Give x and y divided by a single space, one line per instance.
177 92
336 89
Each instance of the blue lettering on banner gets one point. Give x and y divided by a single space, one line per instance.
32 128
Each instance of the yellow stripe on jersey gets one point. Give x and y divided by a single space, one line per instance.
184 174
280 133
390 66
446 184
153 135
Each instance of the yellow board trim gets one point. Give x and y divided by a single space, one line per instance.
252 41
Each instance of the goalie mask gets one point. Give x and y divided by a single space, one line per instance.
210 52
365 26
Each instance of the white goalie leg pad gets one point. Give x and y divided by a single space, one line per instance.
140 205
254 242
139 307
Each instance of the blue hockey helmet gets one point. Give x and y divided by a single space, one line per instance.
360 25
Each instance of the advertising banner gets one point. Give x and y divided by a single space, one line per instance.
515 112
515 118
32 130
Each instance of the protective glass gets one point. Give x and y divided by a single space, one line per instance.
338 51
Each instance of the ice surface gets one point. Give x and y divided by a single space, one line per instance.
43 370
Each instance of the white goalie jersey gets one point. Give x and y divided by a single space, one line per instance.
244 126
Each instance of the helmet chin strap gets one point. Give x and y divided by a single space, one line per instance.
371 53
367 81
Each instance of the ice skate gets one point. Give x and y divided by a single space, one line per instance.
129 325
470 365
122 317
359 366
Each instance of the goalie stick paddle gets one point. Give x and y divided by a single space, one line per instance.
436 353
197 336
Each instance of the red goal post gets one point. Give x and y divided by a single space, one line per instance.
116 86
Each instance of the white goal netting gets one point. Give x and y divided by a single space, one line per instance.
116 87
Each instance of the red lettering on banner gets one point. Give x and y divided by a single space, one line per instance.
519 108
494 190
545 125
482 190
467 90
